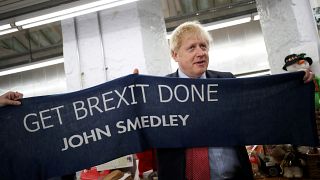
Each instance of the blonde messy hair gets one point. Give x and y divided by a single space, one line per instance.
188 28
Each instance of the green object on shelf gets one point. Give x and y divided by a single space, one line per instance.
317 92
317 100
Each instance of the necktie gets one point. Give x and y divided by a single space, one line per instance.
197 164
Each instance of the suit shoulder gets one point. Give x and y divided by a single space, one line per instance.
220 74
175 74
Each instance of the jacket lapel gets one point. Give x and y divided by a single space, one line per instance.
210 74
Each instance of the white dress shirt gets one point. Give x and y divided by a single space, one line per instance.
223 160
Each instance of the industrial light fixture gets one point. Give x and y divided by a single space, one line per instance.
232 21
5 26
7 31
256 17
49 16
71 12
31 66
63 12
253 74
227 22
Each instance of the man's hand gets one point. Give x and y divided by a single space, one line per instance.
136 71
318 114
11 98
308 76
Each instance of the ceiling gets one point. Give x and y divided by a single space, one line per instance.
13 8
30 45
43 42
205 11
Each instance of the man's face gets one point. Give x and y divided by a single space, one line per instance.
192 56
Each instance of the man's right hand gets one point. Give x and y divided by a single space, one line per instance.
136 71
11 98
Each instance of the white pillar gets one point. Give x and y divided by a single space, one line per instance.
288 27
111 43
83 52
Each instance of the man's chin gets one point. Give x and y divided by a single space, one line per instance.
201 71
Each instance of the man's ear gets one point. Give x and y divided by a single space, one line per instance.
174 55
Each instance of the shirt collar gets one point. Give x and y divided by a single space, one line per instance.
183 75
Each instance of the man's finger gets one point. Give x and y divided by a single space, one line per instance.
308 76
17 96
136 71
11 102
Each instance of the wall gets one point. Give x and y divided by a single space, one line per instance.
42 81
238 49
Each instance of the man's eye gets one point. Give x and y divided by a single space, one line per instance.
203 47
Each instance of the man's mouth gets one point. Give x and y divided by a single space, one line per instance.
200 62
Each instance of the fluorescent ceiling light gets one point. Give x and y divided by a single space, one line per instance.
7 31
228 23
256 17
225 23
5 26
169 34
31 66
267 72
71 12
63 12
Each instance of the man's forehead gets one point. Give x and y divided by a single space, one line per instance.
193 36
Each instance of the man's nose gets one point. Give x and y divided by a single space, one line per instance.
200 51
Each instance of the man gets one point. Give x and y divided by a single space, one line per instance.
10 98
189 45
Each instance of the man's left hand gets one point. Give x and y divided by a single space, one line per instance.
308 76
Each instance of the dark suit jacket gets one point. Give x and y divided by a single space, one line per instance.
172 162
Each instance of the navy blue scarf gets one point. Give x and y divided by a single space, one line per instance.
58 134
